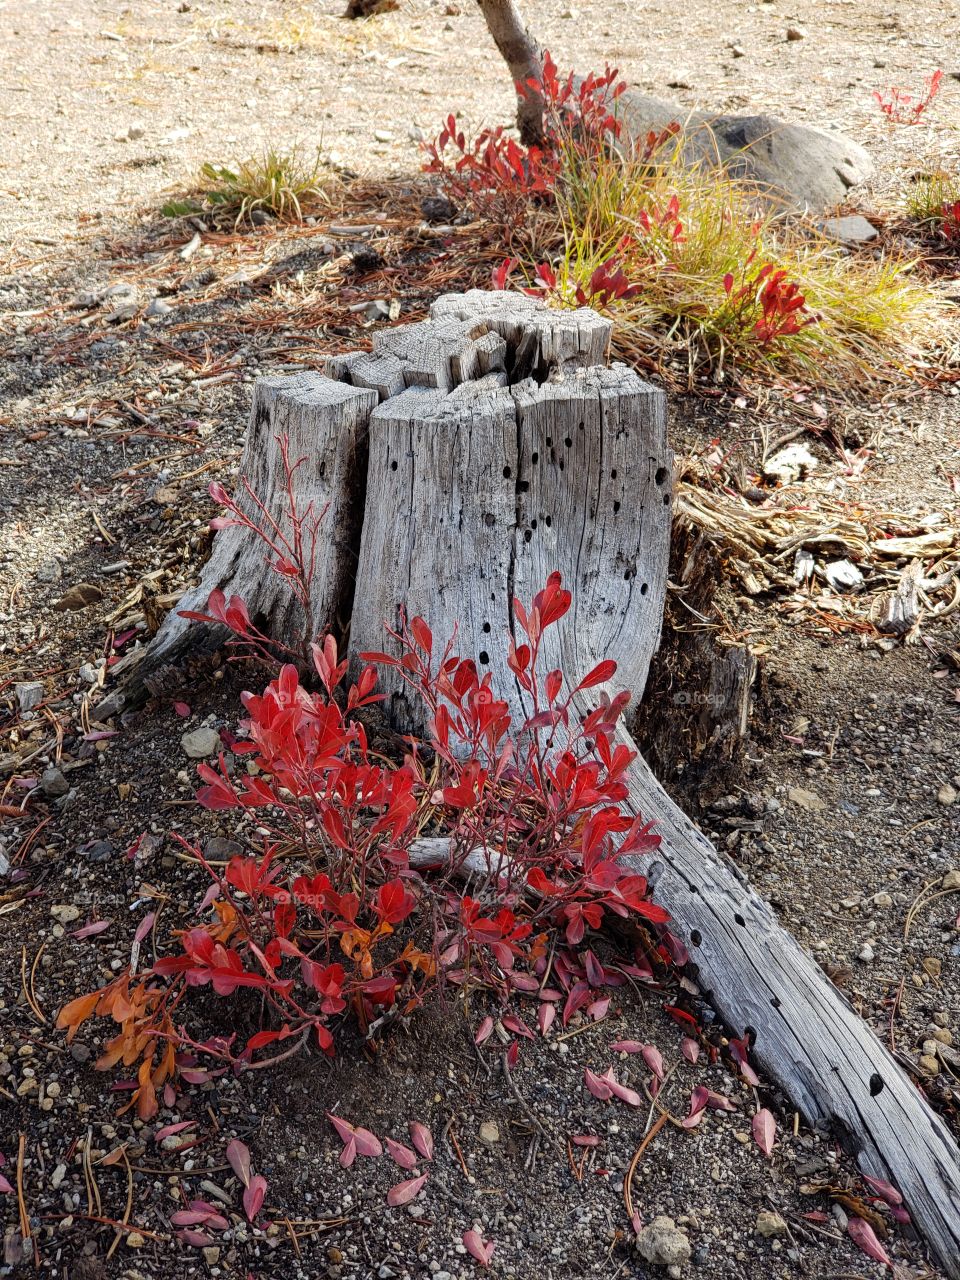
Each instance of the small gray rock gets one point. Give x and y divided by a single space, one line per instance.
29 694
770 1225
221 847
851 229
663 1244
158 307
110 706
53 783
947 794
200 743
49 572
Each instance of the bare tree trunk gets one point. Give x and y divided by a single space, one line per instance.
522 55
500 450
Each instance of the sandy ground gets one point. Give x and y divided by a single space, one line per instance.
108 109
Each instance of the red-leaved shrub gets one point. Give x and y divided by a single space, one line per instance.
343 911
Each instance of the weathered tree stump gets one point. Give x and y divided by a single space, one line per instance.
499 447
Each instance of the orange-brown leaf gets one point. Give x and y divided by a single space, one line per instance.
77 1012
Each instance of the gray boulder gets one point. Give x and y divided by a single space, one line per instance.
803 168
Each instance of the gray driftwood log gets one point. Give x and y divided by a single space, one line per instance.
497 446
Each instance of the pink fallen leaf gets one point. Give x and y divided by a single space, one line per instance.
621 1091
253 1196
348 1154
599 1009
627 1046
698 1103
238 1158
199 1214
517 1026
364 1142
690 1049
764 1129
739 1051
197 1239
478 1248
513 1054
181 708
885 1190
817 1215
169 1130
144 927
368 1144
422 1139
545 1016
599 1087
863 1235
585 1140
403 1156
404 1192
654 1060
483 1031
718 1102
91 930
899 1214
5 1187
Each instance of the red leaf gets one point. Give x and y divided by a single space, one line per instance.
764 1130
403 1156
404 1192
653 1059
368 1144
253 1196
422 1139
238 1157
600 673
144 927
478 1248
169 1130
627 1046
181 708
885 1190
690 1049
599 1087
862 1234
91 930
483 1031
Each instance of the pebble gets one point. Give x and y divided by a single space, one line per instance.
929 1064
53 783
806 799
796 33
200 743
663 1243
947 794
882 900
158 307
135 1240
29 694
770 1225
65 912
951 880
383 135
865 953
489 1133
